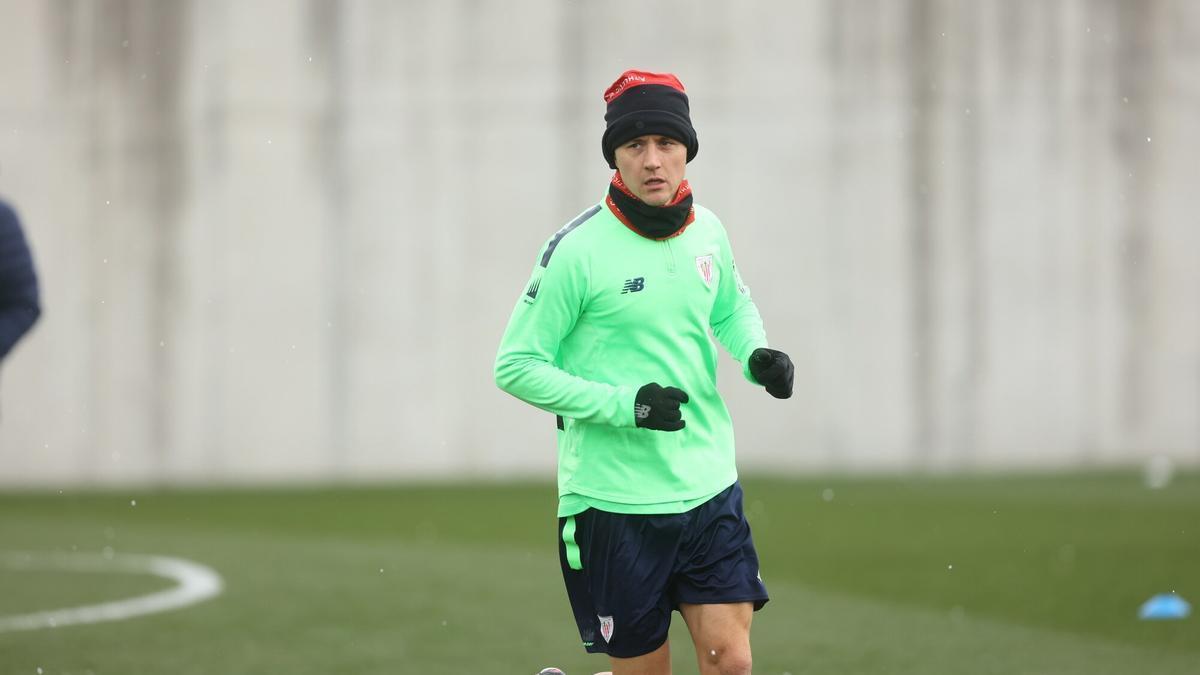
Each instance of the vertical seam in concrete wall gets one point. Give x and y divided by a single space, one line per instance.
921 274
835 177
573 48
1092 332
326 32
213 25
967 394
77 41
164 30
1133 24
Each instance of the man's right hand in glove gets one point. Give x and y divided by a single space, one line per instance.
657 407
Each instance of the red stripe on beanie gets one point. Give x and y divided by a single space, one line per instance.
636 78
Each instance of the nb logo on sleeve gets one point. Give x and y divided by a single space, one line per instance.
633 285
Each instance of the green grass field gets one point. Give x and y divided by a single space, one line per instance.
1022 574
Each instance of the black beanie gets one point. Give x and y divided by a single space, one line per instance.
641 103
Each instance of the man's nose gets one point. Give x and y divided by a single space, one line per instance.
653 158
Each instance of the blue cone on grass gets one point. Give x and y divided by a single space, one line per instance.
1165 606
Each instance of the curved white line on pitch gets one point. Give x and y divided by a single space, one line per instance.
197 583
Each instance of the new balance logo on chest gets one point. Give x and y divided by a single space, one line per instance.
633 285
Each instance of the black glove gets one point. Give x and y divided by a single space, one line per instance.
773 370
657 407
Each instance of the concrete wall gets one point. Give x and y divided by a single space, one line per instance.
280 240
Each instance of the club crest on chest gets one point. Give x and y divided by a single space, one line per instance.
704 266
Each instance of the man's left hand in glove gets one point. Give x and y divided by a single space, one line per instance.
773 369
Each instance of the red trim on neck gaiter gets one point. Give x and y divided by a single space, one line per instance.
683 191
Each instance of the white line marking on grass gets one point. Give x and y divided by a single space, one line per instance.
197 583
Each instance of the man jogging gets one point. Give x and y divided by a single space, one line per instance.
612 336
19 304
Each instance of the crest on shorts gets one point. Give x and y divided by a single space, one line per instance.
606 627
704 265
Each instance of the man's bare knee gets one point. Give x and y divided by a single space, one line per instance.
736 665
731 661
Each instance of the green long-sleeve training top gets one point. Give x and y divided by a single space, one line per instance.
607 311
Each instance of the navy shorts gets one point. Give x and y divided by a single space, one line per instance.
626 573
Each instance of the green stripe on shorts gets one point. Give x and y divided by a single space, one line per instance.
569 545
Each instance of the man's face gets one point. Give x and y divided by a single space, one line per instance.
652 167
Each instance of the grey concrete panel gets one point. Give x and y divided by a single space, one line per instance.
280 240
